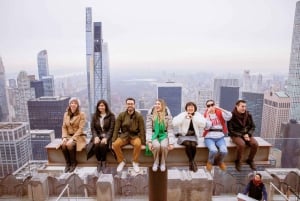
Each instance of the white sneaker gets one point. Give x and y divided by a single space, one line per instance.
121 166
154 167
135 167
162 167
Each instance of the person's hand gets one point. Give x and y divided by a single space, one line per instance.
246 137
70 141
170 146
64 140
104 141
150 146
97 140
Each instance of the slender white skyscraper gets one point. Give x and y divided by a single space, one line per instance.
293 83
3 97
98 76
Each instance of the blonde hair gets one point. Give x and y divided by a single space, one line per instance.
161 114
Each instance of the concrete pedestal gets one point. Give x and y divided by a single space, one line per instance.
38 188
105 188
189 186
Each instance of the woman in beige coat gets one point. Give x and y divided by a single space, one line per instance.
73 137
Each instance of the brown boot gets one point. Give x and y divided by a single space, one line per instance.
238 165
222 166
251 164
209 166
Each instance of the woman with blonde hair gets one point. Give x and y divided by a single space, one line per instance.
159 133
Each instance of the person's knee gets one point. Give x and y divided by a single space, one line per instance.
213 151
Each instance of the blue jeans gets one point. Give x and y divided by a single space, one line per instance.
214 146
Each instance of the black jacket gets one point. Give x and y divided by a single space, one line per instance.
237 129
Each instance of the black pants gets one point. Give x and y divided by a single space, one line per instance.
190 149
100 151
69 153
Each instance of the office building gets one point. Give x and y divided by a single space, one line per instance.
255 103
42 61
47 113
15 146
22 94
171 92
39 140
291 144
97 61
293 82
275 111
38 87
228 97
220 82
203 96
4 111
48 84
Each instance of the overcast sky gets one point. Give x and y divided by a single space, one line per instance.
197 35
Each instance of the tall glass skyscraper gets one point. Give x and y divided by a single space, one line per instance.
3 98
42 60
98 75
293 84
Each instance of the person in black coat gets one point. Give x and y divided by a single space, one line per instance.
102 126
256 188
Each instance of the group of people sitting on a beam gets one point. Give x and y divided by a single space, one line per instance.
110 133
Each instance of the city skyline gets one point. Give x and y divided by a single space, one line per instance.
201 35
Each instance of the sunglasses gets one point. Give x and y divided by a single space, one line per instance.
210 105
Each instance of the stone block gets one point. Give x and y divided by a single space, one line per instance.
38 188
105 188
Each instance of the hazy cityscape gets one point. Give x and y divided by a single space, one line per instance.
35 89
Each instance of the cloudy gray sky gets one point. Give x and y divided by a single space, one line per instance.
201 35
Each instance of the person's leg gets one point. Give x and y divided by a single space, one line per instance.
137 145
194 167
117 147
98 156
221 144
66 156
155 151
72 151
212 148
164 153
240 146
188 149
253 149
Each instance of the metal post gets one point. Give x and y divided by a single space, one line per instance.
158 185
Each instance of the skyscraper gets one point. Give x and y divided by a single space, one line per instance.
47 113
23 93
255 103
219 82
39 140
171 92
42 60
15 146
98 76
203 96
275 112
293 83
228 97
48 84
3 97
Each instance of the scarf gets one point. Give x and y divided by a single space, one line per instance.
256 183
242 118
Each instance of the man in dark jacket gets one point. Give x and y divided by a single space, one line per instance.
241 128
129 129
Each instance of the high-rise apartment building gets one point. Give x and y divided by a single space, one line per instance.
203 96
293 82
171 92
42 61
39 140
22 94
228 97
47 113
255 103
4 111
15 146
97 62
275 111
221 82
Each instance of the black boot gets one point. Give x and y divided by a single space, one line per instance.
73 159
238 165
67 159
99 166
